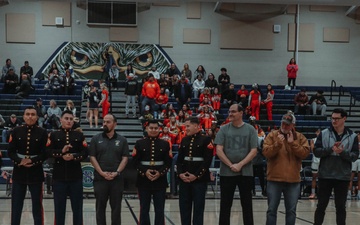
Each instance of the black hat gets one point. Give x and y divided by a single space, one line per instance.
38 99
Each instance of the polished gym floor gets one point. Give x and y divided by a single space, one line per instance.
130 211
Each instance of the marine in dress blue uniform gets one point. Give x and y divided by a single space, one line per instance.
68 147
194 159
152 158
27 151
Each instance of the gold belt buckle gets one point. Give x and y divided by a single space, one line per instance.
152 163
190 158
27 157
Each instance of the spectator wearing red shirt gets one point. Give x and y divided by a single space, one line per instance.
216 100
254 101
292 69
242 96
161 101
150 91
269 101
205 93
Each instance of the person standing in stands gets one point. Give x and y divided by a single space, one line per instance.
152 158
269 101
292 69
150 91
236 145
131 91
254 101
68 83
109 155
27 145
193 162
284 150
337 147
104 102
224 80
182 92
68 147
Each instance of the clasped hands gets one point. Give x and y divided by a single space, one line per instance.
109 175
187 177
152 174
68 156
338 147
26 163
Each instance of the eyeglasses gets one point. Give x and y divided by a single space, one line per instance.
232 111
335 119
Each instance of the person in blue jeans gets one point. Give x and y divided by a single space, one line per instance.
284 150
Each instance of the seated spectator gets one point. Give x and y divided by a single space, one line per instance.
229 96
211 83
6 69
181 117
25 88
187 72
40 111
242 96
70 107
182 92
53 116
167 136
164 82
28 71
205 93
9 125
147 113
53 67
173 128
68 84
224 80
318 103
160 102
172 70
198 85
114 76
186 109
167 113
301 103
205 103
155 72
55 82
150 91
11 81
174 81
216 100
200 70
206 118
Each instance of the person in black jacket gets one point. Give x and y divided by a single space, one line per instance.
152 158
193 162
182 93
68 147
211 83
25 88
224 80
27 150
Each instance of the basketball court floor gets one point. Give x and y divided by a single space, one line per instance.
130 211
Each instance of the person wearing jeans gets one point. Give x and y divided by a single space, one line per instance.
236 145
284 150
336 147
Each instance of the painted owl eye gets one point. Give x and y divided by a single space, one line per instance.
78 58
144 60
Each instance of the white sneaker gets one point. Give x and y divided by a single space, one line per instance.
349 196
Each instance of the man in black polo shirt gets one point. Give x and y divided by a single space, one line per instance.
109 155
27 150
68 147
